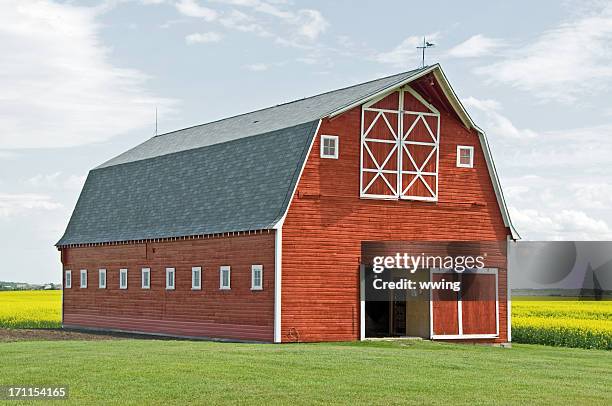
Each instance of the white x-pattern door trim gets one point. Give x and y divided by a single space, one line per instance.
402 146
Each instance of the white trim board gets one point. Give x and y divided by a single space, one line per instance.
278 263
463 336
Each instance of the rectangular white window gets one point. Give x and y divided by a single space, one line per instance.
146 278
465 156
196 278
170 274
329 146
257 277
224 277
123 280
68 280
83 278
102 278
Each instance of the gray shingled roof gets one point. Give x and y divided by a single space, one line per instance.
235 174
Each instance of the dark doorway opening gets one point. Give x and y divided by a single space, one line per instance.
401 313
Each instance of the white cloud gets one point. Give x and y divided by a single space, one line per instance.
203 37
563 62
568 152
8 154
59 87
495 123
260 66
291 43
257 67
307 23
311 23
191 8
592 195
57 181
405 55
307 60
565 224
19 204
477 45
170 23
240 21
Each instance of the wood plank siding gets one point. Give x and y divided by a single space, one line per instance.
238 313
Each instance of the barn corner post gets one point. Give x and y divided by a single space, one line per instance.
62 252
278 261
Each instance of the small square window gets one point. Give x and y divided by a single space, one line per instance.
329 146
102 278
68 280
465 156
196 278
224 277
170 278
257 277
146 278
123 278
83 278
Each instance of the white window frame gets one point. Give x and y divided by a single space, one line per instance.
123 271
223 269
68 279
173 272
336 141
146 271
83 279
101 272
468 148
197 269
254 269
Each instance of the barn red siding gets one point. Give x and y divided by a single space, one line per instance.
327 221
235 314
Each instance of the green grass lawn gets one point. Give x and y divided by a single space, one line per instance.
157 372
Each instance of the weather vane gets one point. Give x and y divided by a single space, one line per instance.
426 44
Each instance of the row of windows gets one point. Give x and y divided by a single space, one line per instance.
330 145
196 278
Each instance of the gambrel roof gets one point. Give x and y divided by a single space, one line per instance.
232 175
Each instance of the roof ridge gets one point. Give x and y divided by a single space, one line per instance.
289 102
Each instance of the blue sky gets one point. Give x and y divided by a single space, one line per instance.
81 81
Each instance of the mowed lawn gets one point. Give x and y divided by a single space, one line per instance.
137 371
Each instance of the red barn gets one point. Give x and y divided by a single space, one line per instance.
260 227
